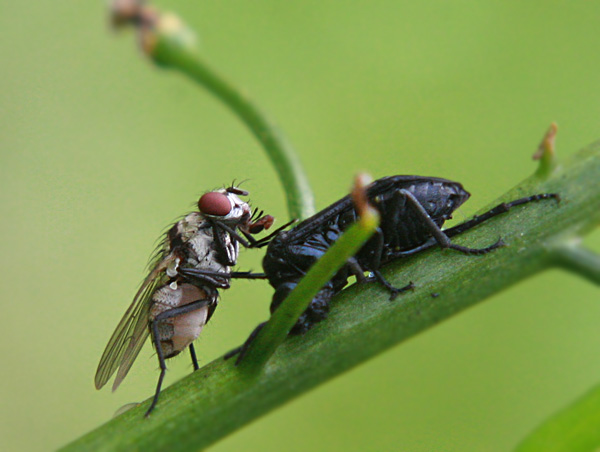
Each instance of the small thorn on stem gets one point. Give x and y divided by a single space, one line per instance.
366 212
546 152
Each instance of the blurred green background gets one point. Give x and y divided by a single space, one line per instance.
99 151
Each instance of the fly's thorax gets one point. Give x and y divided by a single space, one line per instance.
185 229
204 253
176 333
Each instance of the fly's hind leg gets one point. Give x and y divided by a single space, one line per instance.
199 304
194 358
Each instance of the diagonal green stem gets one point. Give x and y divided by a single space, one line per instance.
219 398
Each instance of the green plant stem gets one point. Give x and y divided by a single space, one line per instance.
170 50
218 399
579 260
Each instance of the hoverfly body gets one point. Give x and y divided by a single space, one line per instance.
413 210
180 294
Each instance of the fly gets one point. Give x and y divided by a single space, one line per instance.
180 294
413 210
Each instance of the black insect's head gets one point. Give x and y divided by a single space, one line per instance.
452 196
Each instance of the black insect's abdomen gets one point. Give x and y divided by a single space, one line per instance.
402 227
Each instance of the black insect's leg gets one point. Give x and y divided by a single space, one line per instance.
376 246
241 351
194 358
440 237
156 340
394 291
357 270
475 221
499 209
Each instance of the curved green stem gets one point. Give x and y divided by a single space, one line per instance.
219 398
169 43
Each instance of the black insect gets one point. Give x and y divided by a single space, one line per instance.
180 294
413 210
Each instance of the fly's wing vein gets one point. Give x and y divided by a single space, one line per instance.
132 331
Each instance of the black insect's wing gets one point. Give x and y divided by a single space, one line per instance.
132 331
380 187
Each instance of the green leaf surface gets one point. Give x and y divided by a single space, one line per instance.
574 429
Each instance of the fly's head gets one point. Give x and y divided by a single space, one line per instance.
225 205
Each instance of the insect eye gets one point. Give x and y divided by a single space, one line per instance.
214 203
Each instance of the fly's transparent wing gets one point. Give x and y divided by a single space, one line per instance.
132 331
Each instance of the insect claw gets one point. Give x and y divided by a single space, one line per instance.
395 291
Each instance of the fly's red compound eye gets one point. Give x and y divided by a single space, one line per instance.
214 203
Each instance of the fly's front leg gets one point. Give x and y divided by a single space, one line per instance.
224 256
231 231
215 278
440 237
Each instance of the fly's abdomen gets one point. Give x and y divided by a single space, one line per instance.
176 333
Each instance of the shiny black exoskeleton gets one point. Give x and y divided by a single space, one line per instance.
291 253
413 210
